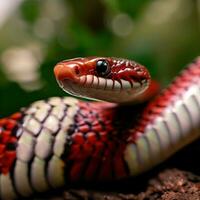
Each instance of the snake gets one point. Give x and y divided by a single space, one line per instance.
129 129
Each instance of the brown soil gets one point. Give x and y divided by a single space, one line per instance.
172 184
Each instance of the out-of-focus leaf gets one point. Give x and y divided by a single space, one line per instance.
132 7
30 10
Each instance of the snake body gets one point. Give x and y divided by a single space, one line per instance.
61 140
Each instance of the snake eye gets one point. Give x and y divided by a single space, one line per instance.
102 67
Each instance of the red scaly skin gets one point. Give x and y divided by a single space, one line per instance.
94 141
8 141
98 142
189 76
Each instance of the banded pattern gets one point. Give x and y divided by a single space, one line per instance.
40 138
168 123
63 140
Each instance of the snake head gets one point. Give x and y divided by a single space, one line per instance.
103 78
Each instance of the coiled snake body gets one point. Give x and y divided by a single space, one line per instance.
63 140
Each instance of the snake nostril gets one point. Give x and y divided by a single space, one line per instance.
66 71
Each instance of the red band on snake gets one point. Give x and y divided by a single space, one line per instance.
61 140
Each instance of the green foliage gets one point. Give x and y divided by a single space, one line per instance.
30 10
132 7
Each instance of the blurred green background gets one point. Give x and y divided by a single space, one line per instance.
34 35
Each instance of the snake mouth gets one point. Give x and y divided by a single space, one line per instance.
98 88
93 81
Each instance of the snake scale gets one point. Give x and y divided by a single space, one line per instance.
59 141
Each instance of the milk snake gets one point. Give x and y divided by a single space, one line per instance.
63 140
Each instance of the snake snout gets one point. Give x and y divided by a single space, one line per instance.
63 72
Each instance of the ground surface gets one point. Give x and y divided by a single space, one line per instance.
171 184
